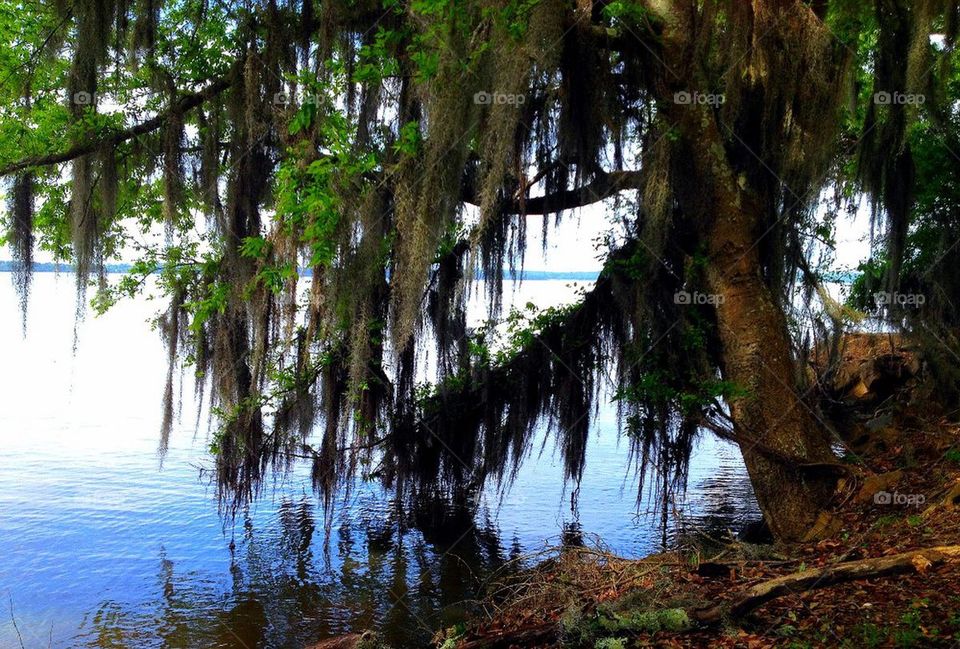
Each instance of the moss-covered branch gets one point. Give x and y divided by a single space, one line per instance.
100 139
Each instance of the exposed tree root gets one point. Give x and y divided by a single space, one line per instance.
806 580
949 502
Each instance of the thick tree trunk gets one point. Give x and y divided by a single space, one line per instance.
771 422
758 356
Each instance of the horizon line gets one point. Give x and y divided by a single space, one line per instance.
9 266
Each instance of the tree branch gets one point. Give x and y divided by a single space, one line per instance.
601 187
113 138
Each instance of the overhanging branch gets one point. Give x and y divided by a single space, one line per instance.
603 186
184 103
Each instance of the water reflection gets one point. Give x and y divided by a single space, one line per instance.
724 503
404 573
292 588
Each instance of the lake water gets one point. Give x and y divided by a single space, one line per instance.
103 543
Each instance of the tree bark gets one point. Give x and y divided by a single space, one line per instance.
757 354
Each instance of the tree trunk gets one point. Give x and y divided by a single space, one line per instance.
758 356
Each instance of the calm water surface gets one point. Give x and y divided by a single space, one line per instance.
103 543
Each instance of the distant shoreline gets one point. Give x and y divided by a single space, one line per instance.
529 275
839 277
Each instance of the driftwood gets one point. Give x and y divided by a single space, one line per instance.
806 580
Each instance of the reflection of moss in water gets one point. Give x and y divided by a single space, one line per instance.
285 588
243 625
108 626
181 622
401 571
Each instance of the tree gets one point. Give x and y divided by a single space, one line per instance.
927 290
395 151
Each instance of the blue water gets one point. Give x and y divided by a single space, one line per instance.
103 543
